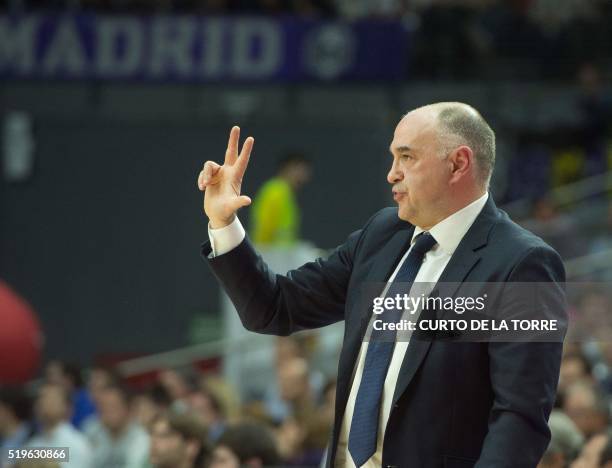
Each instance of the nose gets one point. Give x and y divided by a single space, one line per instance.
394 175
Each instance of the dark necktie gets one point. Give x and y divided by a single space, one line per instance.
364 425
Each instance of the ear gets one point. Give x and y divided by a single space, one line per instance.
461 162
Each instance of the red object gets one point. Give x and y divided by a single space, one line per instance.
21 338
146 379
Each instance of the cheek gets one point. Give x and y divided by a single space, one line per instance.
432 178
418 184
418 174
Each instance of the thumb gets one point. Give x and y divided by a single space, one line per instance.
240 202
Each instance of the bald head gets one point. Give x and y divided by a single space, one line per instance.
460 124
442 159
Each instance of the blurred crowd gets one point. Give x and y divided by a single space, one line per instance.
185 417
502 39
553 13
566 148
557 154
181 418
580 424
454 39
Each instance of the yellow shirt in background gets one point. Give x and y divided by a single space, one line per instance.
275 216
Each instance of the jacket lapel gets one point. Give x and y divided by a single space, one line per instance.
461 263
385 262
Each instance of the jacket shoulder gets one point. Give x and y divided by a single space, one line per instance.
516 238
378 230
387 218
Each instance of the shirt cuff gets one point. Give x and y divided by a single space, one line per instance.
226 238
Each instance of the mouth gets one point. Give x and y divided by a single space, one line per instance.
397 196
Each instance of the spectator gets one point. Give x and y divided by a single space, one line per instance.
69 377
52 410
178 441
302 437
294 387
593 321
101 377
316 430
297 435
148 405
117 439
245 445
287 350
207 408
565 444
15 418
276 214
587 408
179 383
225 392
574 368
290 436
556 228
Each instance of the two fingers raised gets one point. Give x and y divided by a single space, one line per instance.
232 159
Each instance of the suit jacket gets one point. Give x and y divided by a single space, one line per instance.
456 404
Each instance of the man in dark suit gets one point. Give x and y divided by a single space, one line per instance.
415 402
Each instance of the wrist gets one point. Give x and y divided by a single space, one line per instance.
217 223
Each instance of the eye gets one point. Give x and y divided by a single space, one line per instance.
406 156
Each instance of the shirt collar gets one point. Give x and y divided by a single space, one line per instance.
449 232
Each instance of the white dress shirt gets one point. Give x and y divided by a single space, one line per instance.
448 234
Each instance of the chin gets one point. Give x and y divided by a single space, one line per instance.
405 215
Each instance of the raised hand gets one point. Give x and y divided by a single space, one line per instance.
221 184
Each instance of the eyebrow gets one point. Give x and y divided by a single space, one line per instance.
402 149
